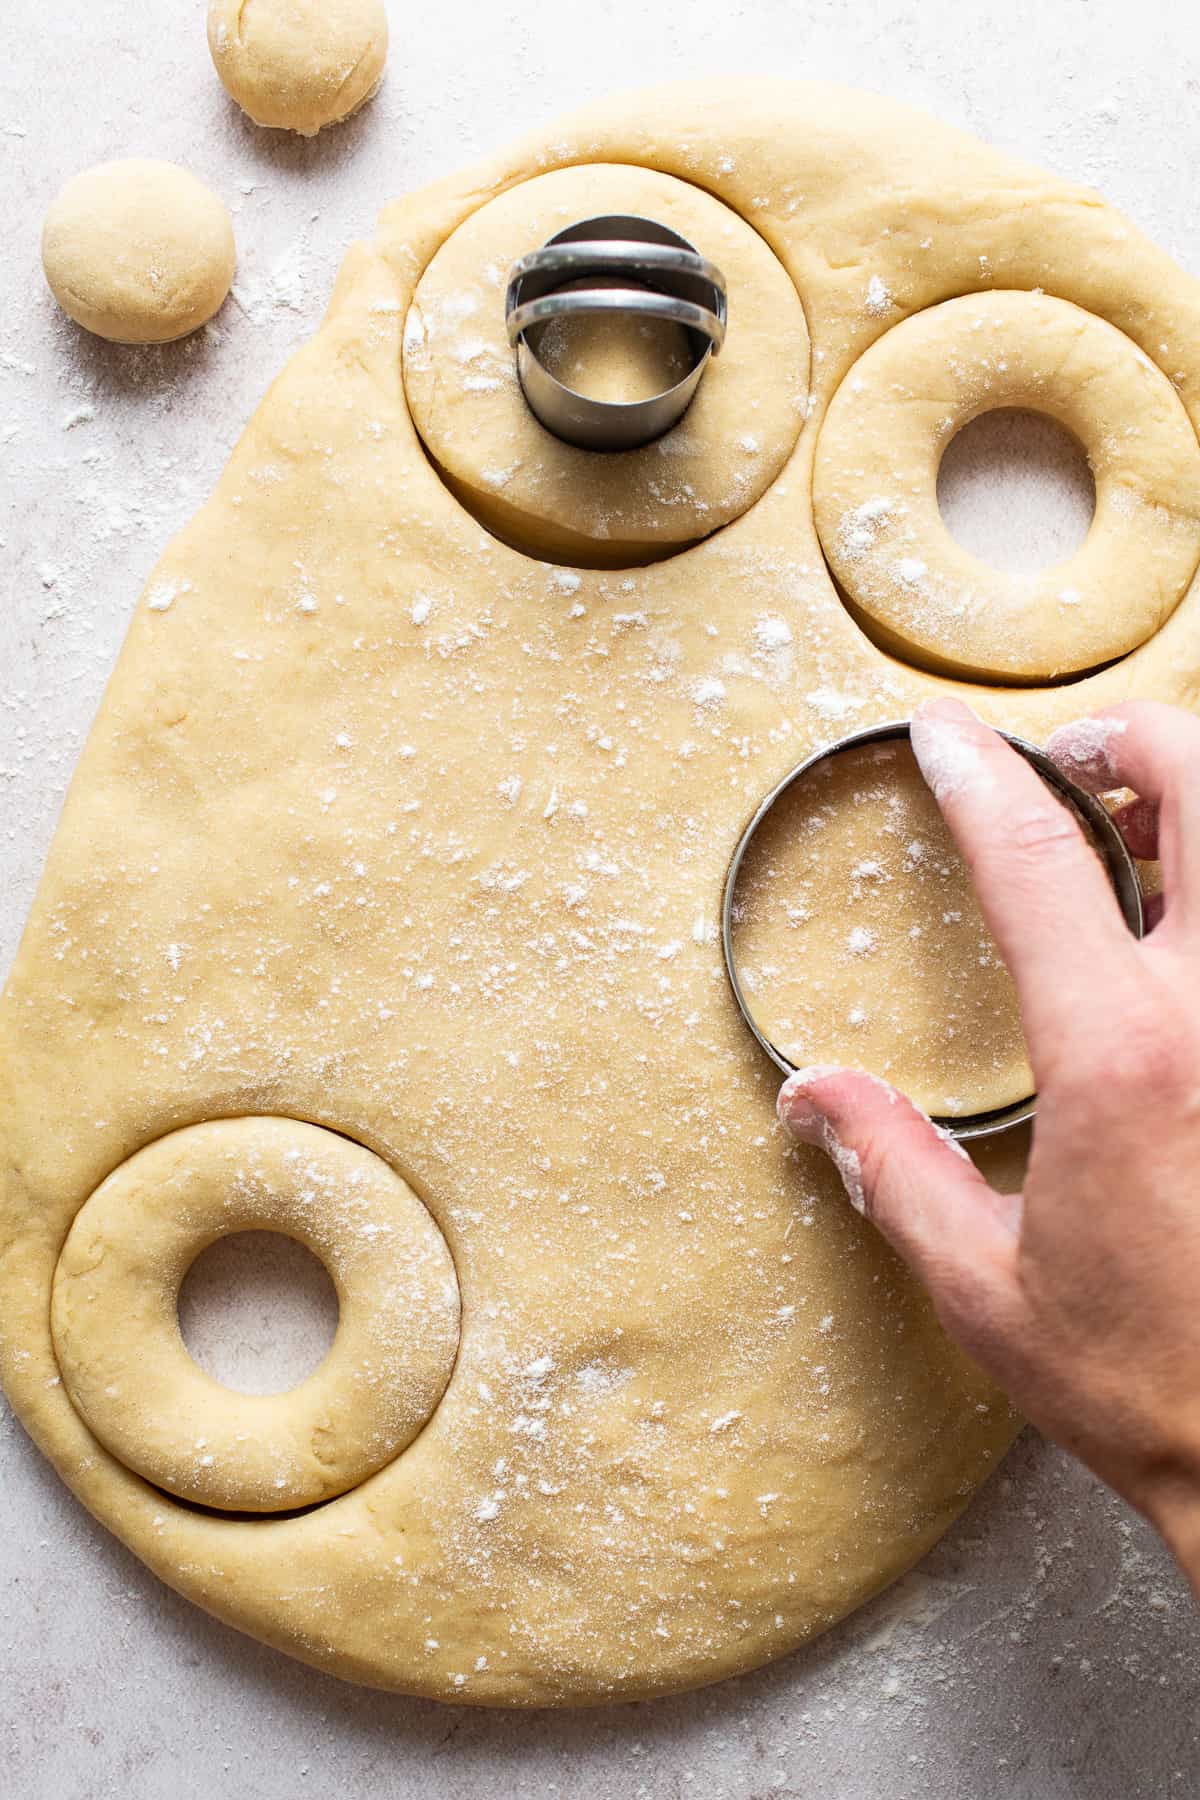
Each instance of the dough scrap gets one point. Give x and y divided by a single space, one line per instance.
859 939
299 65
386 826
138 252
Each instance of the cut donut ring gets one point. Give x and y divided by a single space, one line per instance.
922 596
130 1375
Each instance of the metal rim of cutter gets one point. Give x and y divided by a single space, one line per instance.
1120 866
662 276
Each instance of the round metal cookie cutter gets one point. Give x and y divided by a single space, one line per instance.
1122 872
644 269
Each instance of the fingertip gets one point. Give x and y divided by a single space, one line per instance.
1086 751
795 1107
945 737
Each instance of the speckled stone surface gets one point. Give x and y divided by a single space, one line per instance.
1047 1650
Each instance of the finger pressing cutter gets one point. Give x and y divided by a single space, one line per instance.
618 265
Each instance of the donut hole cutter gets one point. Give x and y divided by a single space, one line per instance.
618 264
1110 846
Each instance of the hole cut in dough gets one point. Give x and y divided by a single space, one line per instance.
1015 490
557 502
859 939
258 1312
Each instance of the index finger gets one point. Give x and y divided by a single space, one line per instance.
1042 890
1155 750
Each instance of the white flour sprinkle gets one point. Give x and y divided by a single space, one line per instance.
164 594
861 942
859 528
879 298
772 633
708 692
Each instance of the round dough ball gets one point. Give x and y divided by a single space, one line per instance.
299 64
139 252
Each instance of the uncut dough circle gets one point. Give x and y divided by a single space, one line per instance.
859 939
553 500
138 252
129 1373
875 489
299 65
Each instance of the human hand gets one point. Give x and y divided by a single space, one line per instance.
1080 1296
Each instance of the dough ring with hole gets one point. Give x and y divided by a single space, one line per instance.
387 826
875 489
129 1373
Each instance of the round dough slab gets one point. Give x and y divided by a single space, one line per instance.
299 65
859 939
551 499
386 826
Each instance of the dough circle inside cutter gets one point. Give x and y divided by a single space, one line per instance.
129 1373
859 939
550 499
920 594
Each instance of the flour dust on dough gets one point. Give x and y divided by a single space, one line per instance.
389 828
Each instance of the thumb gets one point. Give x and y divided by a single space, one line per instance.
919 1187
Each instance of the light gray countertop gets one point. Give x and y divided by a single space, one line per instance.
1047 1650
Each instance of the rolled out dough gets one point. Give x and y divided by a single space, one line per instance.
388 827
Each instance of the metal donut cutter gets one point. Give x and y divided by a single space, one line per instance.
641 268
1122 872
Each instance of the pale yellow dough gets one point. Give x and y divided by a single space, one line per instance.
388 827
859 939
139 252
299 65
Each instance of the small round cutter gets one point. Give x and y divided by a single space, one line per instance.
640 268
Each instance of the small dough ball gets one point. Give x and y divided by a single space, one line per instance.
860 941
138 252
299 64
